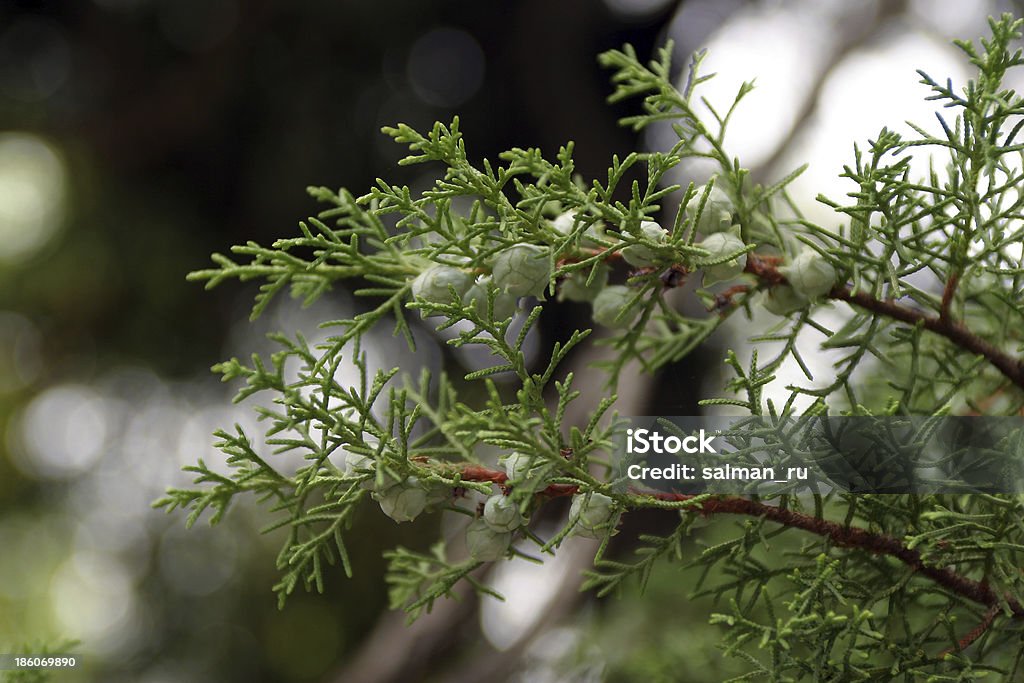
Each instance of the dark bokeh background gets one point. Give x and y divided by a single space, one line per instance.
138 136
188 126
182 127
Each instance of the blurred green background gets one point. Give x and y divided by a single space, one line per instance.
138 136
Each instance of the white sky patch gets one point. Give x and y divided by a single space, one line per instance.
771 47
33 194
871 89
960 18
94 598
820 362
1015 251
62 433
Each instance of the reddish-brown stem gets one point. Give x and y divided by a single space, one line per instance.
947 296
477 473
724 299
978 632
855 537
838 534
764 268
953 330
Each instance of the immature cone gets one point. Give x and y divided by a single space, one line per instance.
356 464
575 287
565 223
404 501
437 494
810 274
783 300
608 305
719 245
484 543
517 466
595 515
522 270
501 513
504 303
717 213
434 283
640 256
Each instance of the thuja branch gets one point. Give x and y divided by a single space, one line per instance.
483 239
839 534
766 270
484 474
955 331
855 537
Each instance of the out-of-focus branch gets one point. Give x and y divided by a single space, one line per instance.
489 665
398 651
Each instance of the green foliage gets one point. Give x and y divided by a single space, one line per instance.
925 262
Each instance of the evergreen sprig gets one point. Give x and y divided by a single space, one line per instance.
924 261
